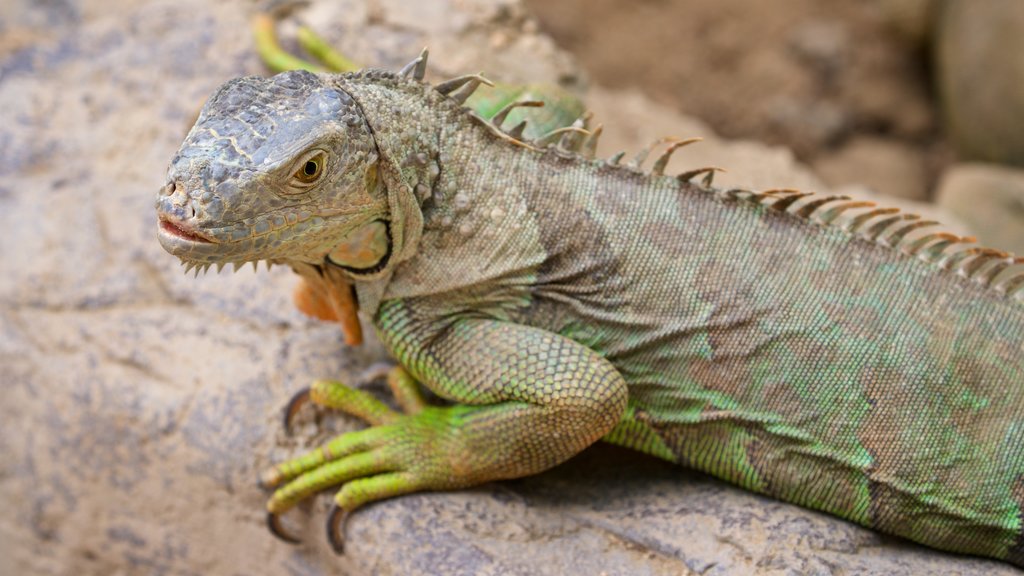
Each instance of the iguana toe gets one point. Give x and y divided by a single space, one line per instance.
336 521
297 401
275 527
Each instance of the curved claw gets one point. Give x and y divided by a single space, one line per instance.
300 399
336 528
275 527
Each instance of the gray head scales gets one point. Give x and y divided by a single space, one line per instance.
277 168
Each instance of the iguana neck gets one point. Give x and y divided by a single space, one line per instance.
406 120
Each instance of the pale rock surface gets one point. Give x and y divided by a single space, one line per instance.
884 165
912 19
979 63
138 404
990 199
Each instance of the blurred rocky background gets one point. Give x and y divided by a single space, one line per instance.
917 99
137 404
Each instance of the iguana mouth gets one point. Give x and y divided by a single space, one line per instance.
178 231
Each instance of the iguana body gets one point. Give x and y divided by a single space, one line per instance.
775 340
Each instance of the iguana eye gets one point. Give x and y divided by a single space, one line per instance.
309 171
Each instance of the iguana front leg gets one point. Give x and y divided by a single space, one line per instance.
527 400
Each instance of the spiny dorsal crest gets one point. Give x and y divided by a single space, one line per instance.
889 227
905 232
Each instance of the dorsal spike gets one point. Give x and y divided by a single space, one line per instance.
860 220
570 141
773 194
220 266
614 159
584 120
662 162
517 130
417 68
989 276
963 261
898 237
559 133
707 171
829 216
1011 286
1014 281
463 94
460 88
936 251
499 118
783 204
878 228
806 210
589 146
942 239
641 156
709 178
982 258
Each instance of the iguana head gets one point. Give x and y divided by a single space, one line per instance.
281 169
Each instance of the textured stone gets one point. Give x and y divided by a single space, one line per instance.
980 69
884 165
138 404
911 19
990 199
803 73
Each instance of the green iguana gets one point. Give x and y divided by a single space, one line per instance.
813 348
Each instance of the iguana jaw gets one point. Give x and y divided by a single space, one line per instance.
171 231
309 240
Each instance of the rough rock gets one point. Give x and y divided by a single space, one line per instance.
803 73
911 19
884 165
990 199
632 121
980 69
138 404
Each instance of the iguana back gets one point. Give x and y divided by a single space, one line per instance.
794 357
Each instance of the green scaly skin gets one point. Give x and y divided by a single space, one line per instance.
814 349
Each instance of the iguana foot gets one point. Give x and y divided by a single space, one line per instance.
348 456
336 528
331 394
275 527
